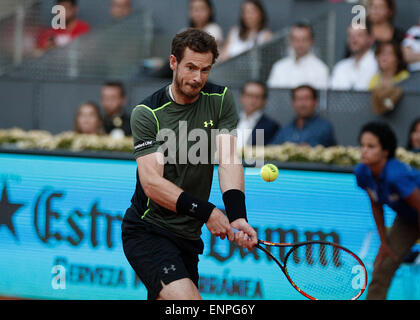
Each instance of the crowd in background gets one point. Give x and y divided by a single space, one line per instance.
378 58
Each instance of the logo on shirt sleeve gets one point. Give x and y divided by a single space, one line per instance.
142 145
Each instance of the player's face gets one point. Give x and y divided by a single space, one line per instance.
371 149
191 73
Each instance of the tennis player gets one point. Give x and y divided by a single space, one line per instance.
161 230
391 182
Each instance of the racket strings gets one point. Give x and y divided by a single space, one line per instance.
325 272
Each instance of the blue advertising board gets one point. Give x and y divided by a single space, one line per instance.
60 230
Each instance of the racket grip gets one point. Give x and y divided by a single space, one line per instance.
236 230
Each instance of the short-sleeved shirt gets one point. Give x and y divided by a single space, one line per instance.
155 123
316 131
396 182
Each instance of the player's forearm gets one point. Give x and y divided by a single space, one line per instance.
380 223
162 191
231 176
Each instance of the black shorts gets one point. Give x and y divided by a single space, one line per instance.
158 255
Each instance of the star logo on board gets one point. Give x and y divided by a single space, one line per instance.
7 210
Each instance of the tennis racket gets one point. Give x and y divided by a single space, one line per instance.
319 270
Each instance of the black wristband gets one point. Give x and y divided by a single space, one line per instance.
234 201
191 206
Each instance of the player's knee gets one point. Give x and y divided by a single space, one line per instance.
182 289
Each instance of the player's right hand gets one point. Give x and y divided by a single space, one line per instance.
219 226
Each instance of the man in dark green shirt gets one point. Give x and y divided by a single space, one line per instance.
177 133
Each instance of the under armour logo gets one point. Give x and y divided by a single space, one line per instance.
171 268
209 123
194 205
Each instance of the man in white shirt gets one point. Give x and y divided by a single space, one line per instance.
253 99
356 71
302 66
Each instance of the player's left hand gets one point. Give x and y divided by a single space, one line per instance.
247 236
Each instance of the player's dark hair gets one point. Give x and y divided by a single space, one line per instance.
73 2
243 29
305 86
211 15
258 82
412 129
196 40
116 84
384 133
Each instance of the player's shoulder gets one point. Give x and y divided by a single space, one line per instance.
212 88
361 169
156 100
396 169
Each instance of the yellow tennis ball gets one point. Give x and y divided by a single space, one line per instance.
269 172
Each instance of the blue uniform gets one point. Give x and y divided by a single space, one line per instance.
396 182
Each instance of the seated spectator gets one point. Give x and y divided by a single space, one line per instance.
113 99
381 15
251 31
254 95
392 67
411 48
302 66
355 72
308 128
51 38
88 119
413 143
120 8
202 17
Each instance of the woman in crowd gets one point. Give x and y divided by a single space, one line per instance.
202 17
413 143
387 180
392 67
381 15
252 30
88 119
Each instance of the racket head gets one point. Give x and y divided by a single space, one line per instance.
322 270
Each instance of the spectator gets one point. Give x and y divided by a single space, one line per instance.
116 121
392 67
308 128
254 95
302 66
413 143
252 30
51 37
201 15
88 119
355 72
120 8
411 48
381 15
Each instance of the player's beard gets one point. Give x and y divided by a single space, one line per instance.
179 88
